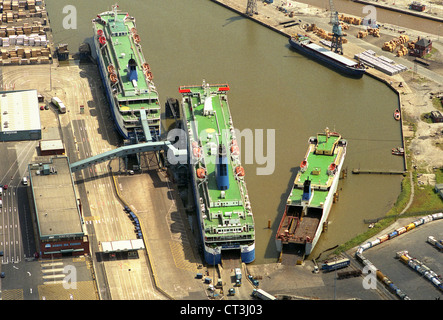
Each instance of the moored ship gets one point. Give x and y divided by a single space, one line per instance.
328 57
310 200
218 179
126 76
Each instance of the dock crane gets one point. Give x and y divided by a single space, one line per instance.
251 7
337 37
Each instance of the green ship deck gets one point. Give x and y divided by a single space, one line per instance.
122 44
227 216
311 197
318 159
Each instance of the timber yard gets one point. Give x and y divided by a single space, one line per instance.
87 215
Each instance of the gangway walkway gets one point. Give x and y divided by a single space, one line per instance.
174 155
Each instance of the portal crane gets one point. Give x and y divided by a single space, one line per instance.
337 37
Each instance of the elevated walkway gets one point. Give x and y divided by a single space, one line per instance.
174 155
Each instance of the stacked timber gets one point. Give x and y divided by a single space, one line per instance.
402 51
374 32
362 34
349 19
391 45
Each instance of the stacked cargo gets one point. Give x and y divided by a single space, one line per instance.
436 243
392 45
402 51
351 20
421 268
359 253
381 63
362 34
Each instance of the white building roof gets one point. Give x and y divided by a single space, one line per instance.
19 111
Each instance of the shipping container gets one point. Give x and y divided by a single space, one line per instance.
438 215
393 234
383 238
375 242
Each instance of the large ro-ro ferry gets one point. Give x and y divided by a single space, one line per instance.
126 76
218 178
312 194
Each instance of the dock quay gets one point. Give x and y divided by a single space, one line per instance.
360 171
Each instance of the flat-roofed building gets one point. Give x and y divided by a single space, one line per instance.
57 210
52 147
19 116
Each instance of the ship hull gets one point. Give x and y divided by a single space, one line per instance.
126 76
315 229
212 255
327 61
116 116
212 251
309 247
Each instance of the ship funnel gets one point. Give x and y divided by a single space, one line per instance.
221 169
306 190
132 70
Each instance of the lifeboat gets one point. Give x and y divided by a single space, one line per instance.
201 173
233 142
133 30
397 114
303 165
136 38
113 78
146 67
149 75
240 171
102 40
197 152
111 68
99 32
332 167
235 150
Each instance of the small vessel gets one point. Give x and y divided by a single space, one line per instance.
397 114
305 45
310 200
399 151
218 179
126 76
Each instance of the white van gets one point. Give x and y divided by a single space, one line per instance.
25 181
1 191
59 104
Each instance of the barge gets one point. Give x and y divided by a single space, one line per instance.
336 61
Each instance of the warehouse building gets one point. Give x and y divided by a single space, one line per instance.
57 210
19 116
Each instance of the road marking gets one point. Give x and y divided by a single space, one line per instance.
53 270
